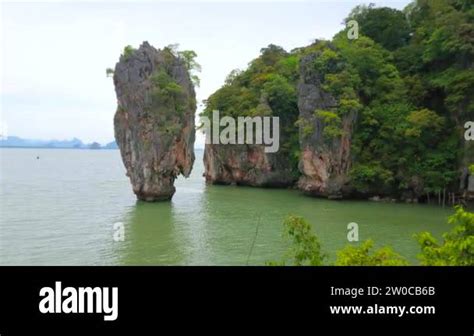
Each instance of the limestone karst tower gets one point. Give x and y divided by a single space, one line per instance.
154 121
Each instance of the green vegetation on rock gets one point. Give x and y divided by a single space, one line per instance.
266 88
127 51
407 81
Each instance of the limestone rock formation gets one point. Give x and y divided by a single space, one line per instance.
154 121
248 164
245 165
324 163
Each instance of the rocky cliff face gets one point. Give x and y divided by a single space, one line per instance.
245 165
154 121
248 164
324 163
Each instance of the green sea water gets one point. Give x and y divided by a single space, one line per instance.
63 209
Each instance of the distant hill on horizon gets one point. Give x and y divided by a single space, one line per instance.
74 143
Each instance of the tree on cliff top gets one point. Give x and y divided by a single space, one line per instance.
387 26
189 59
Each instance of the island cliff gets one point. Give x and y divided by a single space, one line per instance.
371 116
324 163
360 116
154 122
270 96
316 164
248 164
245 165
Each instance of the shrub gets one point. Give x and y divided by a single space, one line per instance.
109 72
333 126
166 93
305 248
363 256
457 248
128 51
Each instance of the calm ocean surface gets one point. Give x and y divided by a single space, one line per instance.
60 209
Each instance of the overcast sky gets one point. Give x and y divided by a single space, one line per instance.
54 55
